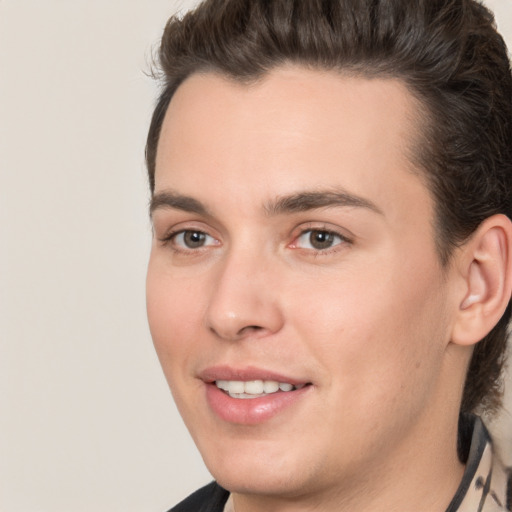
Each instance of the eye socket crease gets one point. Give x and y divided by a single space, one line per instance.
190 239
319 239
300 202
189 243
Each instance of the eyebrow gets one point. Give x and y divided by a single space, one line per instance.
293 203
169 199
311 200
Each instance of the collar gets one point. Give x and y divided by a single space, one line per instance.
486 483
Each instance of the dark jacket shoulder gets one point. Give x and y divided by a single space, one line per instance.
210 498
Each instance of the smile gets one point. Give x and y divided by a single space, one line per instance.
250 396
254 388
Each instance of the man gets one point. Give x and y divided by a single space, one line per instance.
330 278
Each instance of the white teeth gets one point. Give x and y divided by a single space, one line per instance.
236 386
270 386
222 384
253 388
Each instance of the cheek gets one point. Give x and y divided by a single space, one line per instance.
380 327
174 314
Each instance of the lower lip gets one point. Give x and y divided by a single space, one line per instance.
251 411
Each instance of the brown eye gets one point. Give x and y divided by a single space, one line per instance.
319 239
190 239
194 239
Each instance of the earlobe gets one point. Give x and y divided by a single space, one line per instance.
487 274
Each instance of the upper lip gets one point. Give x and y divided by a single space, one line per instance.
224 372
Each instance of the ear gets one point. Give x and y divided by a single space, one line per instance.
486 269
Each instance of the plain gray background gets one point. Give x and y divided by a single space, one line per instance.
86 420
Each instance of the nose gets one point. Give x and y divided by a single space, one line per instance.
244 299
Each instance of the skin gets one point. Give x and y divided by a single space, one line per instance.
367 321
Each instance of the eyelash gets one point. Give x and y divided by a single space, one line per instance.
325 231
169 240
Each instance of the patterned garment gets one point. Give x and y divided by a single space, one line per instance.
486 485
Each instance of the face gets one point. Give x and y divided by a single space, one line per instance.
294 293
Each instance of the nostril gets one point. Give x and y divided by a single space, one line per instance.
250 328
248 331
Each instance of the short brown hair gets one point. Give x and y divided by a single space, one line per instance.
447 52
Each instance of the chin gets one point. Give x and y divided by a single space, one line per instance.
254 481
254 469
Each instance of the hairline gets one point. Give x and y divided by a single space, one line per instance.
421 120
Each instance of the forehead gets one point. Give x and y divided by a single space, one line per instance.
293 128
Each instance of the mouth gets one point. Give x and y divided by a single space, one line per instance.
252 396
251 389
